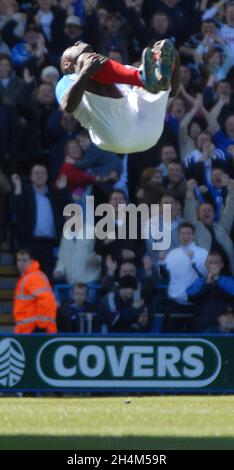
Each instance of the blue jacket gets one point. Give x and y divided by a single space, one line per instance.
100 162
210 300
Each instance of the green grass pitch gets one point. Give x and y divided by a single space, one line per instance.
149 423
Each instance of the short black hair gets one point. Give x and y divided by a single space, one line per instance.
80 285
38 162
223 80
205 131
209 202
161 12
176 162
187 225
4 56
168 144
168 193
25 251
201 123
216 253
117 191
65 56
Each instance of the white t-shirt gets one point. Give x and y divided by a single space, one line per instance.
133 123
75 260
182 272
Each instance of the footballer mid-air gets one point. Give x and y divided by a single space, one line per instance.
122 107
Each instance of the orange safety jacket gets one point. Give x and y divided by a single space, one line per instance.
34 302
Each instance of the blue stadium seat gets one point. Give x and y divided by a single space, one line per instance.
63 292
94 289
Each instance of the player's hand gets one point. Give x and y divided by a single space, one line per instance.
147 263
191 185
27 77
199 100
16 181
92 62
61 182
111 265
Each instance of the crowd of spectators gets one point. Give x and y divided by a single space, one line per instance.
47 161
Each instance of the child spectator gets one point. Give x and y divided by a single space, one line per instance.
78 316
226 320
77 180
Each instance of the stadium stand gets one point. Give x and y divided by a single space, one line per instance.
47 161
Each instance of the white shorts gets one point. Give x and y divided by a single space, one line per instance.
133 123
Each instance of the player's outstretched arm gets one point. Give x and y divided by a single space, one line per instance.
72 98
91 63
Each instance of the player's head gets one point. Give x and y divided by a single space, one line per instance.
70 56
24 258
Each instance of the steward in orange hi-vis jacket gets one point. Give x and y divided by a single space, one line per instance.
34 301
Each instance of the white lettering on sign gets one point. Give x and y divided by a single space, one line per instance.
143 364
128 362
119 365
140 363
168 356
59 357
98 354
190 358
